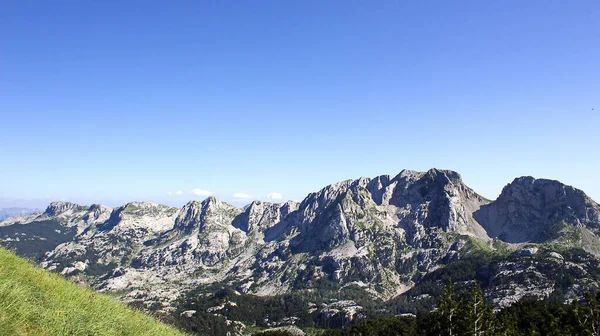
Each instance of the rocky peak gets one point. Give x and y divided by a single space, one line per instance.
211 204
330 192
189 216
256 204
528 207
260 216
97 207
57 208
288 207
410 175
198 216
97 213
430 184
544 192
361 182
315 203
211 201
434 199
448 174
216 213
442 177
142 208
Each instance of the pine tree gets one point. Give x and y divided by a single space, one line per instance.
447 310
505 325
582 317
594 313
589 315
478 318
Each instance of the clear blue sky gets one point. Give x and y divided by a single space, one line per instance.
111 101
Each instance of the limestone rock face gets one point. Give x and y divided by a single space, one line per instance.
412 202
203 236
140 217
261 216
188 218
527 209
384 234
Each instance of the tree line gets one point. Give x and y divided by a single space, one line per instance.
468 313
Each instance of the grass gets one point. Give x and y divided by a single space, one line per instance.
36 302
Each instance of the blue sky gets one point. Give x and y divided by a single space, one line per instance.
105 101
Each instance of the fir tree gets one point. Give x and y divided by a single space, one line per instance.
477 316
447 311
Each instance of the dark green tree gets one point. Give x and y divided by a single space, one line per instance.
505 325
593 313
447 311
477 315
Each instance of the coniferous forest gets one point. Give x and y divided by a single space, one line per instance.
462 313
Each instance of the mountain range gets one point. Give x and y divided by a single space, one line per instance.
12 212
388 238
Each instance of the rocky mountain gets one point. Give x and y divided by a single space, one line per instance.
527 208
385 237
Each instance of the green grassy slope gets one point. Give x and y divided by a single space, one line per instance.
36 302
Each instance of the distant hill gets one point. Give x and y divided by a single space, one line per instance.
12 212
36 302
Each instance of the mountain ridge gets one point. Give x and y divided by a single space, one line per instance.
16 211
384 235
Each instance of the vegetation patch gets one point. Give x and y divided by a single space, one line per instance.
34 239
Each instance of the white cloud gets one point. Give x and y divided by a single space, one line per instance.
274 195
169 193
179 192
241 196
200 192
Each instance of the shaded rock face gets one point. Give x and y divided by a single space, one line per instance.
384 233
188 218
528 208
262 216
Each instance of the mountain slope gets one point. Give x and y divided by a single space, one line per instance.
35 302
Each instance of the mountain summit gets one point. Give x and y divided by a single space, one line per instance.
528 208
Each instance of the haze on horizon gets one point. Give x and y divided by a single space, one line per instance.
147 100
